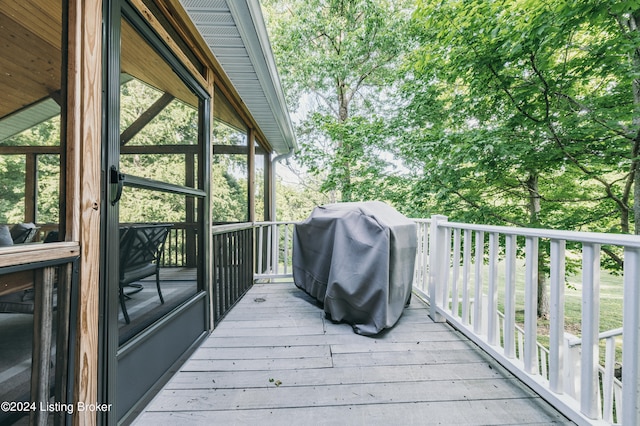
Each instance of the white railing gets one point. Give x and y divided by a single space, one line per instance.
458 264
274 250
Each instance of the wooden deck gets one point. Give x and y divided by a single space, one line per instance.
275 359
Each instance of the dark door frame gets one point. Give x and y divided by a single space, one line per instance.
109 350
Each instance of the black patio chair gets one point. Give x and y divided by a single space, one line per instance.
23 233
140 250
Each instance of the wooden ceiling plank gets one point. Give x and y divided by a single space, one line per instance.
44 21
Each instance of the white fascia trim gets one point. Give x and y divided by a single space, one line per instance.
250 23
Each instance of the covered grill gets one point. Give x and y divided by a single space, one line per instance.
357 259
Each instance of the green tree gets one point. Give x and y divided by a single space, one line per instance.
13 175
525 112
339 57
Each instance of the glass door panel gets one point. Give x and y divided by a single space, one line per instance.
160 187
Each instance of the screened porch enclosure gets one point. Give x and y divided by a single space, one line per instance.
165 140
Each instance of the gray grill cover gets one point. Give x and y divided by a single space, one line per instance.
358 260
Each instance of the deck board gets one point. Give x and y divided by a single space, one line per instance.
275 359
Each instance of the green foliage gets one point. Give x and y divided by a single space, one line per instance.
504 94
229 193
12 178
343 55
13 175
176 124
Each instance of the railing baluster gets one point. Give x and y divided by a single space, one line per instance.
531 305
477 285
455 296
589 401
425 259
543 363
520 336
631 339
492 314
510 297
275 251
556 316
446 261
260 232
285 255
466 272
607 380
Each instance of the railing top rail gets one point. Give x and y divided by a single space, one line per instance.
287 222
38 252
604 335
421 220
577 236
230 227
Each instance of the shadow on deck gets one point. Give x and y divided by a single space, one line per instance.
275 359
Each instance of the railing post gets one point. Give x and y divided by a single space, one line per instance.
437 268
631 338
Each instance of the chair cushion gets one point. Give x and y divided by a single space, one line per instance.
22 302
138 273
5 236
19 302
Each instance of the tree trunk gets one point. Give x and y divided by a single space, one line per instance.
636 142
534 220
632 24
343 115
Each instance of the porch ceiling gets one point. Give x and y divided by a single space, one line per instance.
236 34
234 31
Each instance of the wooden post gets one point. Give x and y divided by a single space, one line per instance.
31 188
208 158
251 168
83 188
267 187
42 338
